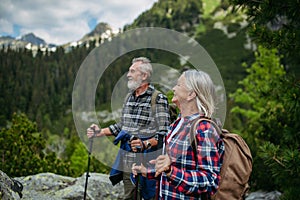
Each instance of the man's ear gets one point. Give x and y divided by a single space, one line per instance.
144 76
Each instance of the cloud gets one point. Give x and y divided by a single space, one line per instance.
60 22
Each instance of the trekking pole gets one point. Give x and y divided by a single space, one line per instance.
91 139
136 191
138 161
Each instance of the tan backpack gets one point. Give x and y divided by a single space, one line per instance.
237 165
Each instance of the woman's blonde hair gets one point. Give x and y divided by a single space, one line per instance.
201 83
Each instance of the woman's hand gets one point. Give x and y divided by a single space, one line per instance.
162 164
139 169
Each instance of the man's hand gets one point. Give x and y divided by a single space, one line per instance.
137 145
93 130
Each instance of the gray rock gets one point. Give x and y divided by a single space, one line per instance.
262 195
6 192
49 186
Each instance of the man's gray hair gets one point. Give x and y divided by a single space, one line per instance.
145 66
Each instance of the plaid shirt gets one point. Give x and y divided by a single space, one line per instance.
188 179
137 118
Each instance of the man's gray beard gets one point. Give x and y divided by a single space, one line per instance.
133 85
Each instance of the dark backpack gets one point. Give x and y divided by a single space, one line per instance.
237 164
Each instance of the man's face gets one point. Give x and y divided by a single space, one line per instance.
135 76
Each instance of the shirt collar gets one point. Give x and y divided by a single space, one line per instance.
192 117
148 91
141 90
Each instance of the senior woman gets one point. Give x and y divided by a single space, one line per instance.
185 173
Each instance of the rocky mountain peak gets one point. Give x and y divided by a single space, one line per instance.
31 38
100 29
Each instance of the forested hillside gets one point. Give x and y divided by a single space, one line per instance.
39 86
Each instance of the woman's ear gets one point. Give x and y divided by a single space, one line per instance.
191 96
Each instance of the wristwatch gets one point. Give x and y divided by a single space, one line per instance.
148 144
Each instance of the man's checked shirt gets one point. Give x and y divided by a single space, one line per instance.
137 118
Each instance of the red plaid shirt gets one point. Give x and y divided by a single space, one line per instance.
188 179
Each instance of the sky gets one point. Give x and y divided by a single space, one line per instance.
62 21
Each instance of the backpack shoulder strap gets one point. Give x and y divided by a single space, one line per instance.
153 100
193 138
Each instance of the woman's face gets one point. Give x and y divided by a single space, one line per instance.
180 92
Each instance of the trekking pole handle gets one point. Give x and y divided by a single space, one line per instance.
91 139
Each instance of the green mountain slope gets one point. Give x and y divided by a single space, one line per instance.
212 24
